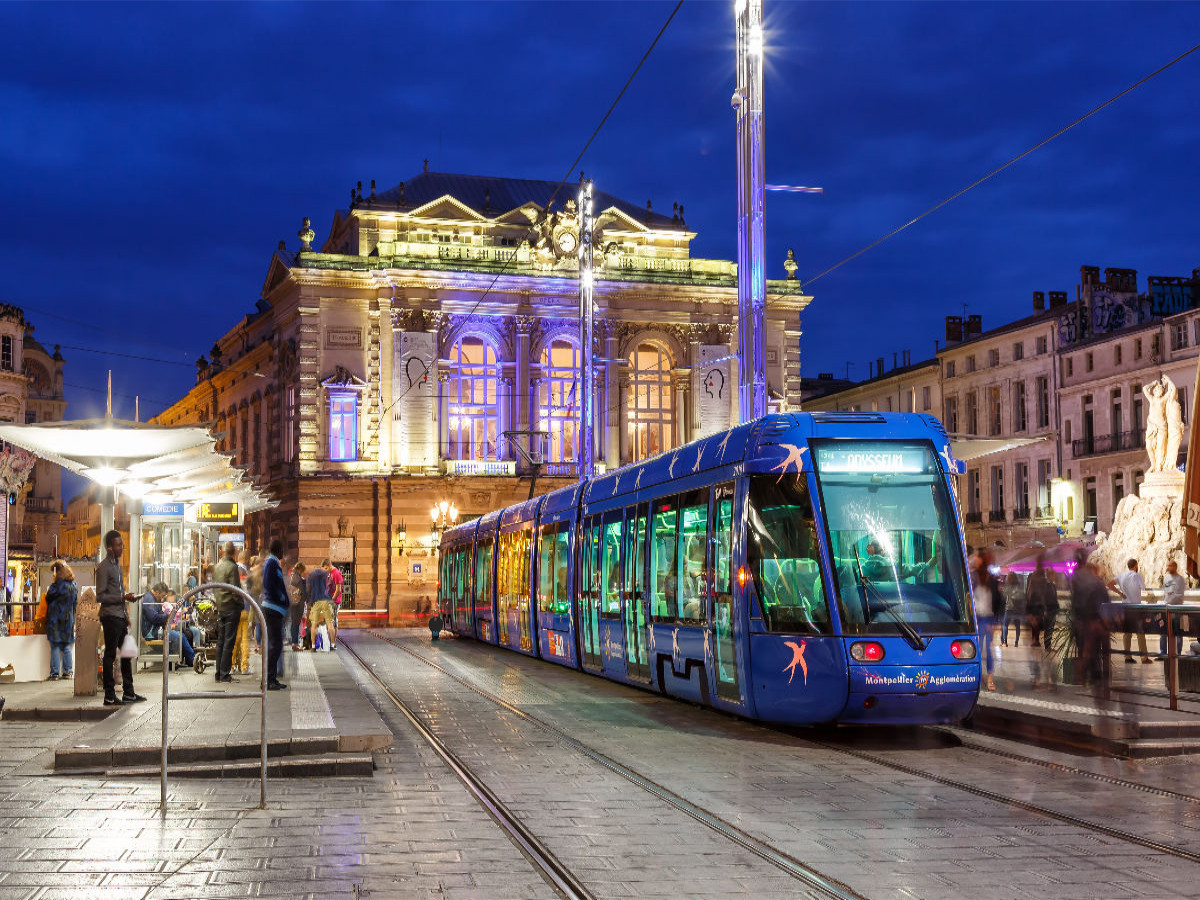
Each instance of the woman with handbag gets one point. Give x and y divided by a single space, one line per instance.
60 621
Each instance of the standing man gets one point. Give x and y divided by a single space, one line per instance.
1130 585
335 595
275 609
114 619
229 612
1173 587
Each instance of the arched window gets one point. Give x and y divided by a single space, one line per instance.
650 412
558 401
472 404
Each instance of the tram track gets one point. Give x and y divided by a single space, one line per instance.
552 868
1071 770
1024 805
823 885
796 867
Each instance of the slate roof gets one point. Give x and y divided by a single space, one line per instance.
503 195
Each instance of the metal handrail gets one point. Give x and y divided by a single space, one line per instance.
1172 656
216 695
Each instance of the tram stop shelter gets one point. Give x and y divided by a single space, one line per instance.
172 474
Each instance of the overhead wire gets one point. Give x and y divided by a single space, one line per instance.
998 170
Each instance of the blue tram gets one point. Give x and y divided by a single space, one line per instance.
802 568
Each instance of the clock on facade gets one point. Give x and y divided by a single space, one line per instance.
567 241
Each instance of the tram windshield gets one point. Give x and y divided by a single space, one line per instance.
893 539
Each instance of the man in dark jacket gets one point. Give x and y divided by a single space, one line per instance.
114 619
1088 596
229 611
1041 609
156 623
275 604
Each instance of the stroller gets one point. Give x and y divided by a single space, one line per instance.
202 612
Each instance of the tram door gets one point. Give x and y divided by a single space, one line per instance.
636 657
588 605
725 669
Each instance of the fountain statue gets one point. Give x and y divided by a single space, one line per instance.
1147 526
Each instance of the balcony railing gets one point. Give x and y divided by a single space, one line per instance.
23 535
1108 443
973 517
1022 514
997 515
40 505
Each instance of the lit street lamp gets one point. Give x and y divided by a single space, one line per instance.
444 515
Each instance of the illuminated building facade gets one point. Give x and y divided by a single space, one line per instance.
429 351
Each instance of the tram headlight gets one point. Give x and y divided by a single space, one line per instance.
866 651
963 650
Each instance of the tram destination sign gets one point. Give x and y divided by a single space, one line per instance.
872 460
162 510
215 513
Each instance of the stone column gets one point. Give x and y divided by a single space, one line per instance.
614 398
523 326
681 379
443 414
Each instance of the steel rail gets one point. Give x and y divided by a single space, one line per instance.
828 886
552 868
1072 770
1023 805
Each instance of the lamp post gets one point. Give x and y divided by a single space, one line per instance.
401 537
444 514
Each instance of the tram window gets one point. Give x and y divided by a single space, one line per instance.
610 568
635 549
722 538
483 575
783 554
546 570
664 582
693 566
893 535
589 577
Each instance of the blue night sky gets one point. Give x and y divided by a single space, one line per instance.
154 154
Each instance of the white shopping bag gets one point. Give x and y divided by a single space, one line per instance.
128 648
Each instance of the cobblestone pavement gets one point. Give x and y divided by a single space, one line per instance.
414 831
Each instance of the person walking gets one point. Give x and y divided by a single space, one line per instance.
114 619
1173 586
1131 586
61 598
1088 596
229 612
1041 611
1014 609
275 608
299 600
988 600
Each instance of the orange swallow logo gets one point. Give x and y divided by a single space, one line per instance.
797 660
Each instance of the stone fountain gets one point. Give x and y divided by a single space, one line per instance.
1148 525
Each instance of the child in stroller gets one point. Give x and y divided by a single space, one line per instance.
199 619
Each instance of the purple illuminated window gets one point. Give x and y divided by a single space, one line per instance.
343 426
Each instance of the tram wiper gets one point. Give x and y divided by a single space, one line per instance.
909 633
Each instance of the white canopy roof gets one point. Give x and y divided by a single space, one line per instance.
967 449
162 463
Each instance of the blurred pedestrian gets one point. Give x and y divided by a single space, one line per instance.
114 619
988 607
61 598
320 608
1173 586
275 603
1041 611
1088 597
1129 584
1014 608
299 600
335 594
229 612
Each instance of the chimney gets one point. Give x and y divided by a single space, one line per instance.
1058 298
907 358
954 330
870 370
879 366
825 376
1039 301
974 326
895 366
1123 281
1089 275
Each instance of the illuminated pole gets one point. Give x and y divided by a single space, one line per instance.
752 283
587 412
